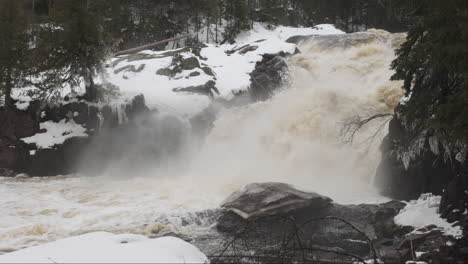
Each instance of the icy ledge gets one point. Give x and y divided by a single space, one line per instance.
103 247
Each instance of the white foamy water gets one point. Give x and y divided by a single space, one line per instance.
296 137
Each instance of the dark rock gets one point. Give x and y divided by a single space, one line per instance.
58 160
385 227
164 71
17 156
16 124
267 76
6 173
209 88
248 49
192 74
271 198
189 63
208 70
130 68
454 199
426 173
136 107
319 227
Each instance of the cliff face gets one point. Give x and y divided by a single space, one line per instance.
416 163
32 141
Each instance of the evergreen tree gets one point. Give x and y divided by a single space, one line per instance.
14 48
433 63
81 44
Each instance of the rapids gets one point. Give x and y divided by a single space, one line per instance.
296 137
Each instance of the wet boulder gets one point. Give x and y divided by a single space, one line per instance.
272 198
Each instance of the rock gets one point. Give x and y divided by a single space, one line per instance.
242 50
267 76
6 173
189 63
130 68
164 71
59 160
209 88
136 107
192 74
425 173
453 203
18 157
272 198
16 124
318 227
208 70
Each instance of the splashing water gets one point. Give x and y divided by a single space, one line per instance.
296 137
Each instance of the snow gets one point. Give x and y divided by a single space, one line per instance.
56 133
231 70
104 247
423 212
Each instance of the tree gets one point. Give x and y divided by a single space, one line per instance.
82 45
14 48
433 63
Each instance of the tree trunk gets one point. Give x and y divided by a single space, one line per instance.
8 87
91 90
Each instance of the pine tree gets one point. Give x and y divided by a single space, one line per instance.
433 63
81 46
14 48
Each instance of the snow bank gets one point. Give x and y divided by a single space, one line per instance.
423 212
231 70
103 247
56 133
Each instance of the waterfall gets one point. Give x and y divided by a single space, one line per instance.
296 137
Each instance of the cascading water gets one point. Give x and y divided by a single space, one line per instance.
295 137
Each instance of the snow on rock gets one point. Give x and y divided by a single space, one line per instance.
423 212
56 133
136 76
104 247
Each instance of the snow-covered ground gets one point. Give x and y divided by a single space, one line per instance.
231 70
103 247
423 212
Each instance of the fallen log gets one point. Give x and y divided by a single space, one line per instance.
152 45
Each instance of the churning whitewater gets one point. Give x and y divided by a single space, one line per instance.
298 137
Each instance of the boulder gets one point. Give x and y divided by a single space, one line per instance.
267 77
272 198
189 63
328 228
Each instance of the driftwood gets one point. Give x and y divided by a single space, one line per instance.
152 45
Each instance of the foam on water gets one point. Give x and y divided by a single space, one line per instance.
296 137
